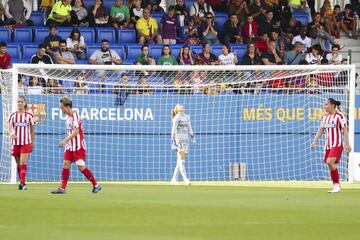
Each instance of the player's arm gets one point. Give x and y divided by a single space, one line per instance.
69 137
317 136
10 130
32 133
174 127
192 136
346 136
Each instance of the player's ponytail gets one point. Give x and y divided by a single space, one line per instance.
175 111
336 103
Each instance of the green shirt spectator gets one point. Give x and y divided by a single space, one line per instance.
167 60
120 14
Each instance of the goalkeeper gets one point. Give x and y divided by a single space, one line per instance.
181 134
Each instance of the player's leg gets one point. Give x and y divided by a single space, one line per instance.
23 168
181 162
65 174
174 179
88 174
334 173
17 160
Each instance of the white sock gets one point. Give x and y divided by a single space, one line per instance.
182 169
176 172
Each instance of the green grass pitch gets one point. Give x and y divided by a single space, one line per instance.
269 211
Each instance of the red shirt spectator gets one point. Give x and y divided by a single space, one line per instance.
5 59
250 28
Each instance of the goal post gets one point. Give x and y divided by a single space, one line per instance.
261 118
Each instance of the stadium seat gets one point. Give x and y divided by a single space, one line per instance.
37 18
106 33
88 34
14 51
196 48
240 50
155 51
5 35
108 4
120 50
64 32
41 34
189 3
133 51
158 17
220 19
301 17
175 50
28 51
23 35
90 49
216 49
127 36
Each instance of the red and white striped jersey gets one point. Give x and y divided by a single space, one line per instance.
21 125
73 122
333 125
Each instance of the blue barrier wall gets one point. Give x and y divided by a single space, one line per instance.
271 133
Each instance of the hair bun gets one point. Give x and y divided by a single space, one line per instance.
338 103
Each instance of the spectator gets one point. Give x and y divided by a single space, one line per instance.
147 29
227 57
41 57
181 12
80 87
98 15
145 58
166 57
5 58
250 29
122 89
18 12
198 11
185 56
279 41
120 15
295 56
168 26
3 21
349 22
282 12
79 14
35 87
267 25
271 56
334 57
291 29
206 57
218 5
54 87
262 43
21 85
60 14
240 9
52 41
232 31
143 87
209 30
336 21
306 41
251 56
75 43
63 56
300 6
326 13
256 8
153 5
105 55
315 55
190 33
136 12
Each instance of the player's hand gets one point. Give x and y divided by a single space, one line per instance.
348 148
62 143
13 136
193 140
313 145
174 146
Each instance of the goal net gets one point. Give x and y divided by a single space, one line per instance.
252 123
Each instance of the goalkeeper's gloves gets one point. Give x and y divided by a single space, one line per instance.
174 146
192 139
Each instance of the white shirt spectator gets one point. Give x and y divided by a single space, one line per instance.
311 59
105 57
334 59
71 43
227 60
35 90
306 42
196 10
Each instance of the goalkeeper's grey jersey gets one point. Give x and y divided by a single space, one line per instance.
181 128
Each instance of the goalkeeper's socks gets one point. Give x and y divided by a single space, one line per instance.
88 174
23 168
64 178
335 176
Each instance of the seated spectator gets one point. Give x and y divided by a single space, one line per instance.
335 56
122 89
75 43
302 38
250 29
18 12
209 30
120 15
60 14
279 42
291 29
255 8
80 87
227 57
261 17
315 55
271 56
98 15
198 11
300 6
143 87
153 5
206 57
105 55
21 85
295 56
336 21
5 58
3 22
262 43
185 56
79 14
147 29
145 58
326 13
282 12
190 33
240 9
35 87
136 12
267 25
166 57
231 33
54 87
168 26
181 12
63 56
349 22
251 56
52 41
41 57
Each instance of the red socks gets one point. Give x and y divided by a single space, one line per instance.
18 170
87 173
64 177
23 168
335 176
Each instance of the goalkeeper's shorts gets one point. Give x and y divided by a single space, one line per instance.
183 147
